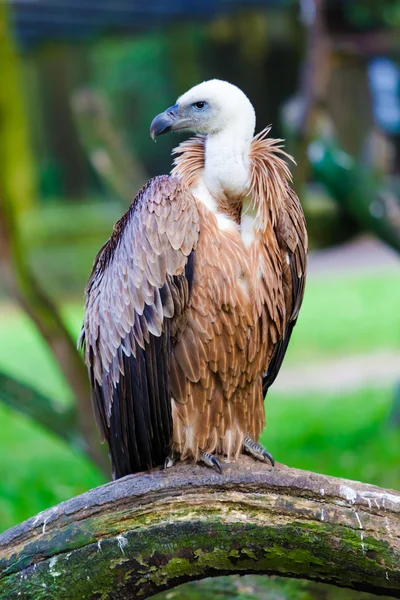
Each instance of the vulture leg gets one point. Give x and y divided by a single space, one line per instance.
170 461
258 451
211 461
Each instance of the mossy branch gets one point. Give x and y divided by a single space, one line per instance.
142 534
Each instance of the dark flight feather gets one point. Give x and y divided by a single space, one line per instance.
131 308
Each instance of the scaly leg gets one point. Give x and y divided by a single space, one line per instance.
258 451
210 460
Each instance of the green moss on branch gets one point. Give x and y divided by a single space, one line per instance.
143 534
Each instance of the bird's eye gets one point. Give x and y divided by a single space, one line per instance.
199 105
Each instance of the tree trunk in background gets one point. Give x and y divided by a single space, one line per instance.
313 86
348 102
16 165
57 71
16 182
118 167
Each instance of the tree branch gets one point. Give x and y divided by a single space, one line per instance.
59 420
150 532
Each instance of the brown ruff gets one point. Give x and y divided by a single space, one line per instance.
269 173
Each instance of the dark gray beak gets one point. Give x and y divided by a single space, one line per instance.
164 122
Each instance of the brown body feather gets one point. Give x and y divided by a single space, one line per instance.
244 302
225 315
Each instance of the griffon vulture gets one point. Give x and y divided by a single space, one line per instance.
191 302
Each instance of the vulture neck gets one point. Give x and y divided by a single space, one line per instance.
227 167
243 182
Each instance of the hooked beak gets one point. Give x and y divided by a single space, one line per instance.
164 122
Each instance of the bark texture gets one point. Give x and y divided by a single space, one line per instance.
145 533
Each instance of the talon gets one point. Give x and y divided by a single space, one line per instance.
269 456
211 461
258 451
217 464
169 462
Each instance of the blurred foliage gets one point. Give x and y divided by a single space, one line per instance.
67 223
351 313
121 170
37 470
328 223
140 75
27 358
63 239
369 13
55 417
17 169
365 194
134 76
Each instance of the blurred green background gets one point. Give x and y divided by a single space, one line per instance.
80 84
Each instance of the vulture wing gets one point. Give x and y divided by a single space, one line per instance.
292 238
136 300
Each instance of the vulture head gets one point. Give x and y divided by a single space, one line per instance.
210 108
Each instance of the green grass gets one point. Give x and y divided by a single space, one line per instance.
341 435
347 314
25 356
37 470
346 435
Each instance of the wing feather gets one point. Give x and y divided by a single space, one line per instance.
136 297
292 238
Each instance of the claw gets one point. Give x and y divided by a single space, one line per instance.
269 456
217 464
257 450
211 461
169 462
